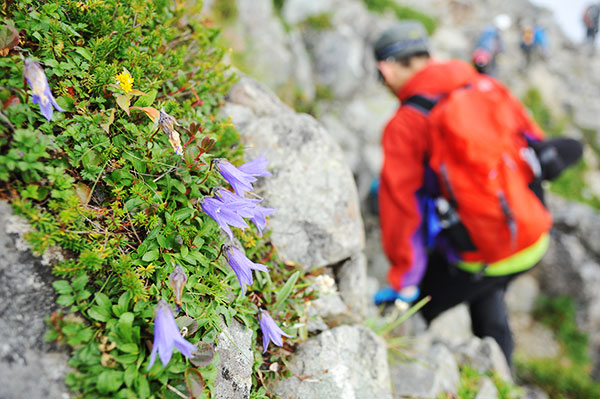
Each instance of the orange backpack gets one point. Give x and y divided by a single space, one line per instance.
476 153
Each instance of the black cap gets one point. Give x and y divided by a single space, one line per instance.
402 39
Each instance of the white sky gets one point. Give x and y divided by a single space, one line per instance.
568 13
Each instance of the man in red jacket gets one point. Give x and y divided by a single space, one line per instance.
408 185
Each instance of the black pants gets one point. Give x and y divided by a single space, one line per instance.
449 286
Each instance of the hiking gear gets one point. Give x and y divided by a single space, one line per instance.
406 178
402 39
388 294
555 155
449 286
475 152
591 16
481 57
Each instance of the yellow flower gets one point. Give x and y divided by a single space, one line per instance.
125 81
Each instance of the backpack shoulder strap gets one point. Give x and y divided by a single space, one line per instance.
421 103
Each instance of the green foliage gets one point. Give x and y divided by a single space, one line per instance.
104 183
401 12
541 113
559 314
318 22
224 10
568 376
571 183
470 384
558 380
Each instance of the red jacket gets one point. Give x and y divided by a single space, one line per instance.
406 142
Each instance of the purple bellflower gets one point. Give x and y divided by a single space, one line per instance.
257 167
240 181
242 266
247 208
223 213
167 336
270 331
177 281
40 89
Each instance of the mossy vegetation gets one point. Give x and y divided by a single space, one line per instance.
121 197
471 380
568 375
401 12
571 184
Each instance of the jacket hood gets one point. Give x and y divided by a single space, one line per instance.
438 78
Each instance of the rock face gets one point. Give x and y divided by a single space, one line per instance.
29 367
427 375
234 372
347 362
318 220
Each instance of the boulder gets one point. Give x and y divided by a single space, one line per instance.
29 366
347 362
426 375
234 370
318 219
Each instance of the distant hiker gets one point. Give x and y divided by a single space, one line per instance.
534 42
489 45
590 20
458 218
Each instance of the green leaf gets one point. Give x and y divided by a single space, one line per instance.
83 192
98 313
129 348
146 101
103 301
106 125
126 325
109 381
84 53
62 287
130 373
204 354
65 300
194 382
287 288
66 103
80 281
151 255
123 102
142 386
182 214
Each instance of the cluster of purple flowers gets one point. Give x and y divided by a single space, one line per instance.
227 209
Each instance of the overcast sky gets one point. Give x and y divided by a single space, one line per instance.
568 13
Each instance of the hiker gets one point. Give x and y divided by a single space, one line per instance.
533 41
489 45
590 20
458 219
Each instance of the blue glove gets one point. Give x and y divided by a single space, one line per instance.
388 294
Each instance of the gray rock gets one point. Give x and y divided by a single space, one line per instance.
234 371
484 355
428 375
351 278
338 61
347 362
29 367
318 220
522 294
487 390
262 40
452 327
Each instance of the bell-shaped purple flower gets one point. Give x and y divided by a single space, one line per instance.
242 266
247 208
177 280
256 167
223 213
40 89
270 330
240 181
167 336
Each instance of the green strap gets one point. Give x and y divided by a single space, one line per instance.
518 262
